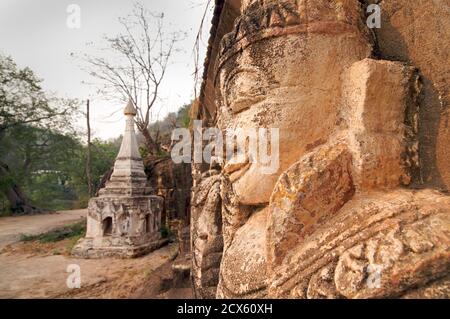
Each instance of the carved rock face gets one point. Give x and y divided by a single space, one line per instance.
206 234
284 74
380 245
243 267
336 219
289 79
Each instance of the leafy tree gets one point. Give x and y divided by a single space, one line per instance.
22 100
32 126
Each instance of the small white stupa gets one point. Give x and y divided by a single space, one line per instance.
124 220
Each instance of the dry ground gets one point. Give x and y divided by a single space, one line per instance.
11 228
39 270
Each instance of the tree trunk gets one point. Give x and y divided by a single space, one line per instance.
153 148
106 177
88 157
16 198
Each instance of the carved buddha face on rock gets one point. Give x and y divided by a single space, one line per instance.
334 221
280 68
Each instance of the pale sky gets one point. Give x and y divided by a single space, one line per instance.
35 34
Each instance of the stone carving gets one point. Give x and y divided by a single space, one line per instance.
124 220
206 233
339 219
368 251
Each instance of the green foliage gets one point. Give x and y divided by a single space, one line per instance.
77 230
5 208
183 115
40 150
50 191
42 153
162 154
165 232
103 155
36 132
22 100
161 131
143 151
53 174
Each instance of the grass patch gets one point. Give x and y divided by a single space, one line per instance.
73 241
74 231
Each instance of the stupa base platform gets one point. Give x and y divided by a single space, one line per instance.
89 248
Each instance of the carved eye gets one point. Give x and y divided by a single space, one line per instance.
243 89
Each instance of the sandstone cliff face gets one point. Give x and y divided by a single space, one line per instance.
356 208
173 183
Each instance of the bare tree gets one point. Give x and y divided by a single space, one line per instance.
144 50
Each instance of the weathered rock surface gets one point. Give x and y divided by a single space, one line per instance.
382 122
173 183
306 195
379 245
417 32
206 235
244 274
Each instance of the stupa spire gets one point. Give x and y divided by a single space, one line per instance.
128 177
130 109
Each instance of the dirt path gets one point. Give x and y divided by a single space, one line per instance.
36 274
25 276
11 228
